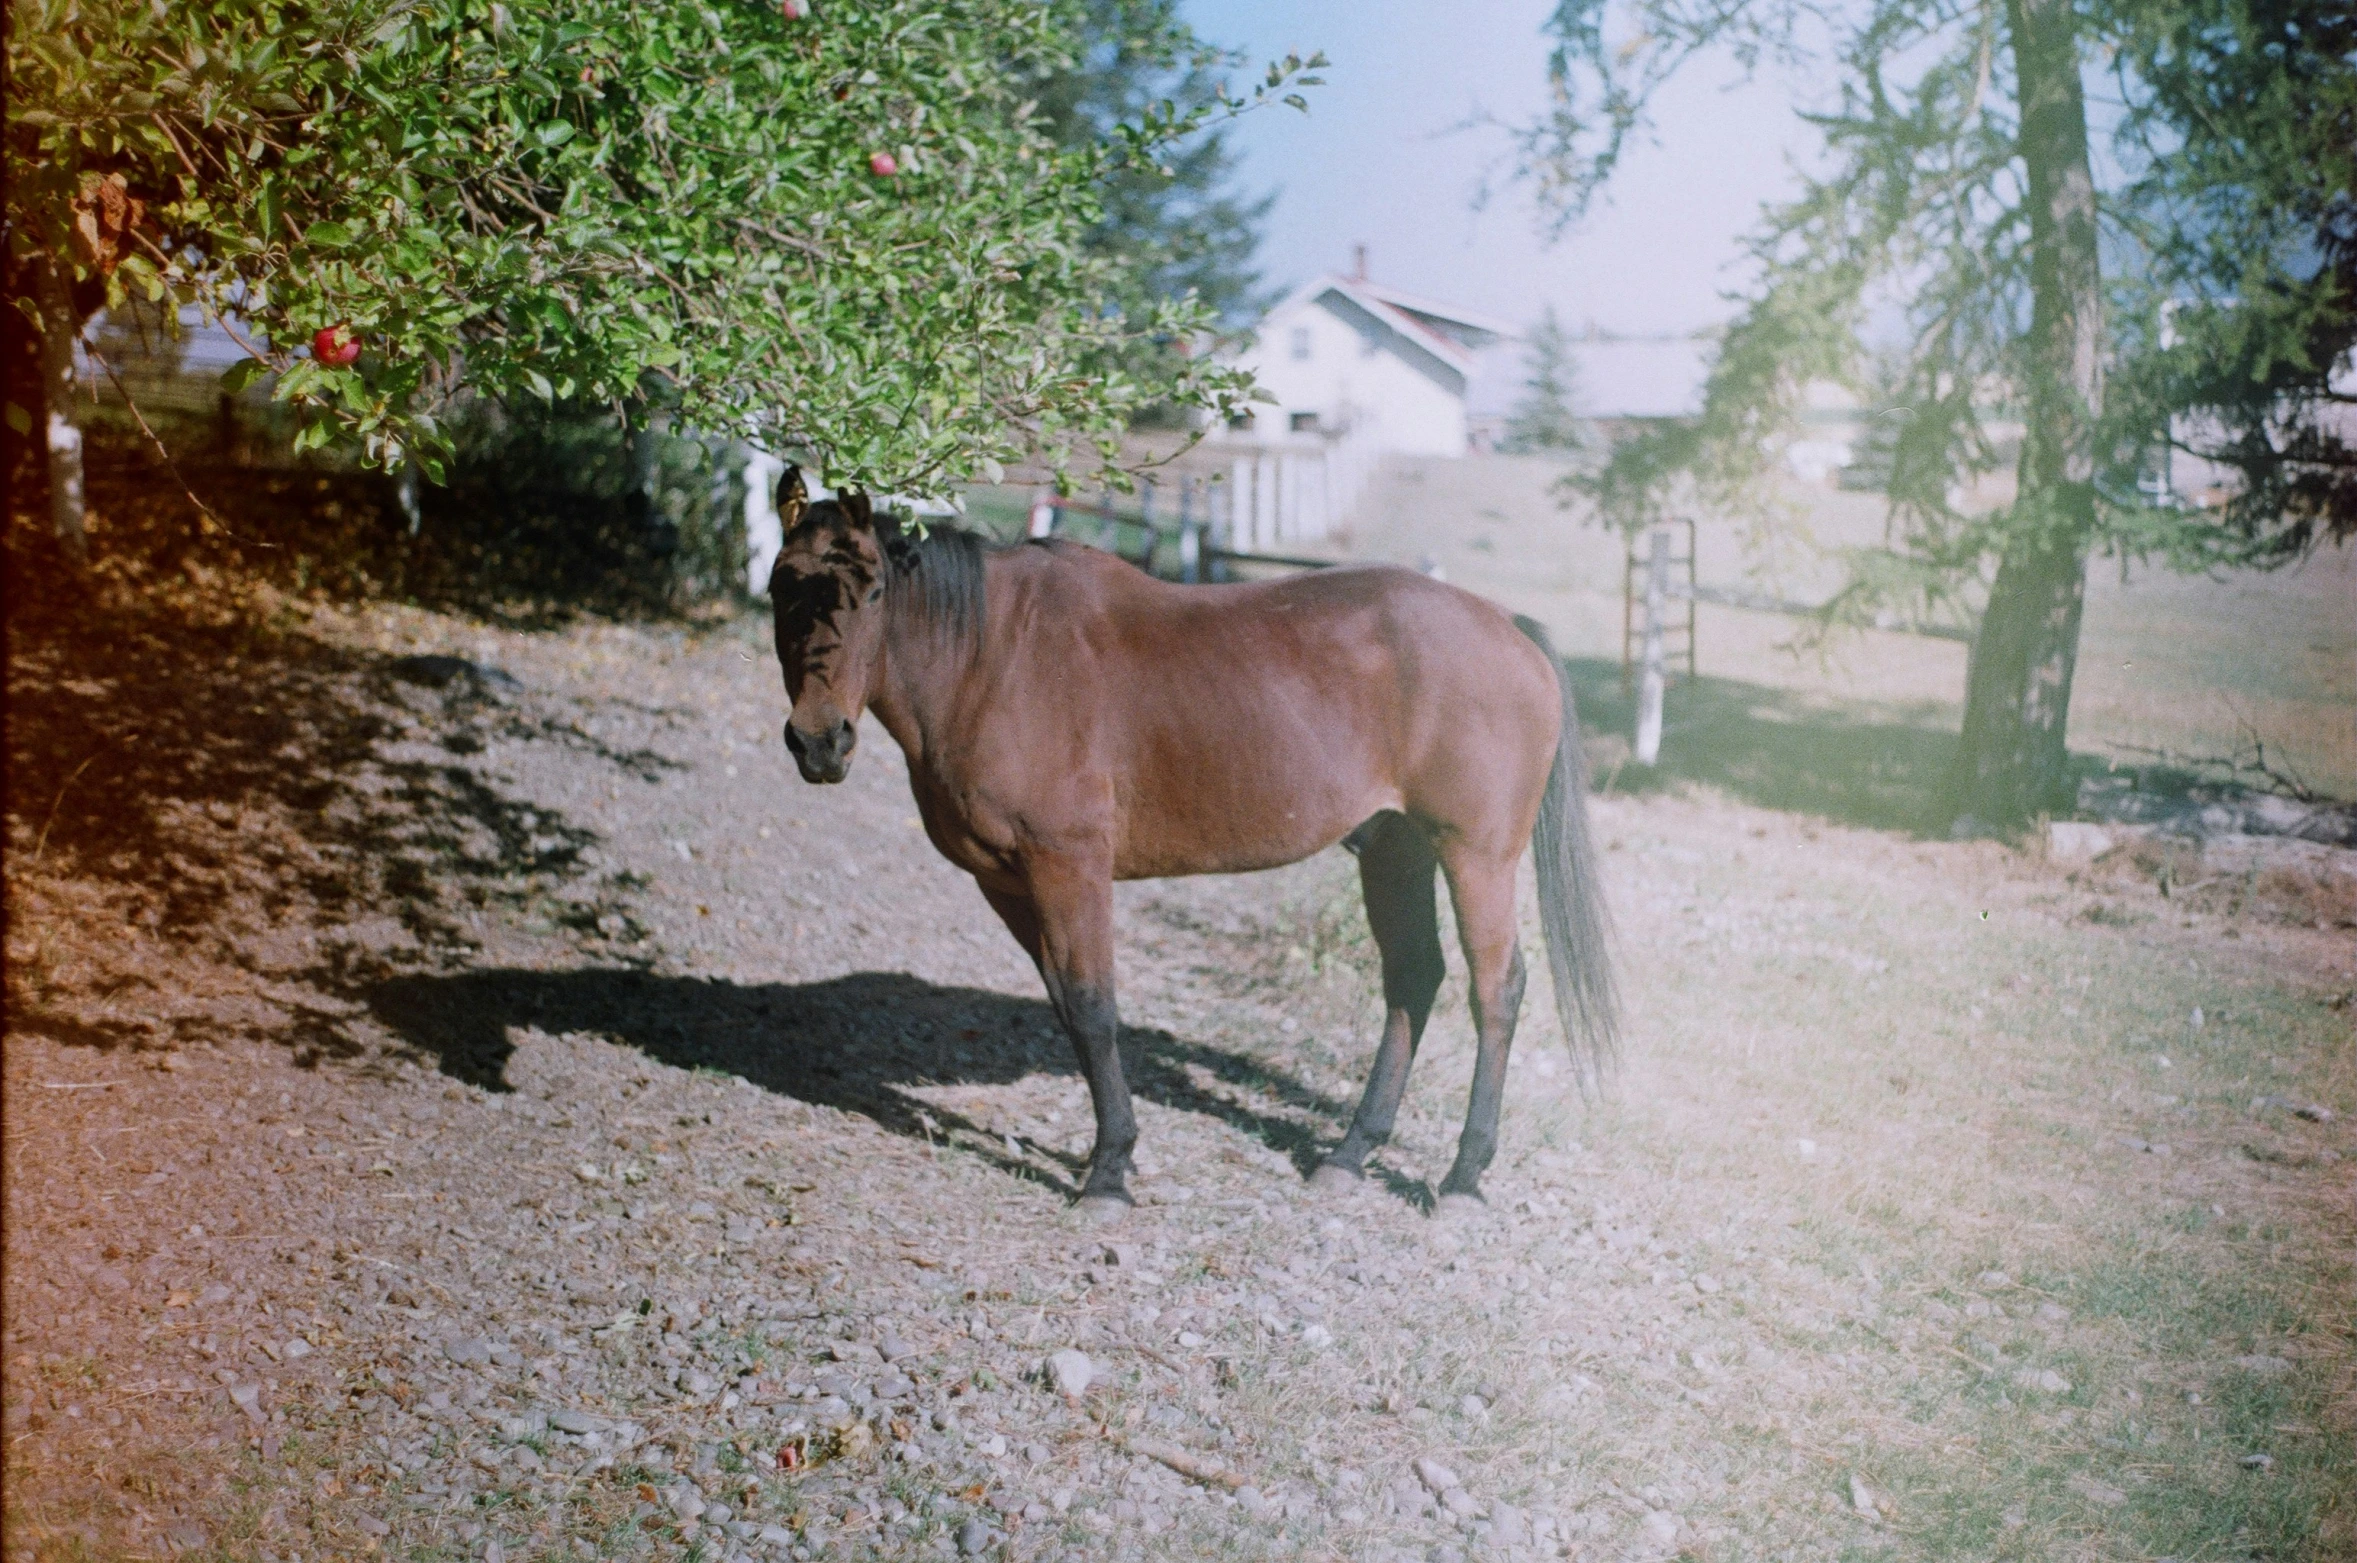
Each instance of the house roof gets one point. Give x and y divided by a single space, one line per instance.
1468 323
1420 323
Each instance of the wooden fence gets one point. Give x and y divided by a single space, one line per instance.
1185 534
1658 623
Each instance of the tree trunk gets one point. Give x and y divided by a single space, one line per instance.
2012 763
60 324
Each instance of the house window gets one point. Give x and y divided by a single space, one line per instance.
1305 423
1301 342
1241 423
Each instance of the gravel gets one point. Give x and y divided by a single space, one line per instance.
1436 1477
1070 1372
723 1195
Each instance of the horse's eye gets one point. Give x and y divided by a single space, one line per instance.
874 592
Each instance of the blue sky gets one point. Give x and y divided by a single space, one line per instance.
1375 161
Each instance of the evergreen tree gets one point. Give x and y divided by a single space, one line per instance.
1543 421
1172 224
2195 285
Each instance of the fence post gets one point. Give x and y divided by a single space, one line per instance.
1219 504
1043 516
404 490
1190 540
764 527
1649 684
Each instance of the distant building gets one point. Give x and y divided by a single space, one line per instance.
1349 358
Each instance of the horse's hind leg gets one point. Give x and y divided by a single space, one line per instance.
1482 886
1395 870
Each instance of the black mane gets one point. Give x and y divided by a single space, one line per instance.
933 582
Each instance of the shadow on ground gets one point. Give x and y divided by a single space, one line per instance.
197 782
1877 767
859 1044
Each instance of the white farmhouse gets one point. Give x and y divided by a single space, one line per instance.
1348 358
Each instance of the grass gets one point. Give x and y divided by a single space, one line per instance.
2190 666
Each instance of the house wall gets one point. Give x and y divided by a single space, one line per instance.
1352 379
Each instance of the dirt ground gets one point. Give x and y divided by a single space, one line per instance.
491 1109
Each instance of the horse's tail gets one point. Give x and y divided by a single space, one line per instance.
1571 897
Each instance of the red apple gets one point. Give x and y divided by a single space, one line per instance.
883 165
335 346
793 10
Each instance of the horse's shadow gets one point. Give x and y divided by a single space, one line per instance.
861 1044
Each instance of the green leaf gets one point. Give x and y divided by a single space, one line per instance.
717 231
242 374
18 419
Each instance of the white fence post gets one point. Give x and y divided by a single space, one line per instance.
1649 685
1239 503
1286 489
764 528
1190 537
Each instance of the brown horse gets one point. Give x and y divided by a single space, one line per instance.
1070 721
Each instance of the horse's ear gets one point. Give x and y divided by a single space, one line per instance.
793 497
857 506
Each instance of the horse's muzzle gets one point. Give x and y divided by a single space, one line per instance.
825 757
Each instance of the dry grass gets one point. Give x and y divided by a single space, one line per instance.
1877 1163
2190 665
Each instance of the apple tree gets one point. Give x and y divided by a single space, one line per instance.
840 227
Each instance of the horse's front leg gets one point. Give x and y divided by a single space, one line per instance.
1066 925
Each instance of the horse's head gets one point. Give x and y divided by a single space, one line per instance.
827 590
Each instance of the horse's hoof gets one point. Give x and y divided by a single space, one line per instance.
1459 1209
1102 1210
1333 1178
